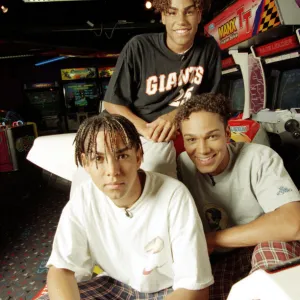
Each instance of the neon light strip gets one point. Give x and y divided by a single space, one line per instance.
49 61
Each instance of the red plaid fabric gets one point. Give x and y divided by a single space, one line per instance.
229 268
107 288
273 253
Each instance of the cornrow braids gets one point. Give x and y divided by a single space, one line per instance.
162 6
114 126
214 103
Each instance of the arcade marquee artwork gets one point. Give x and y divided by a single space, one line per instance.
243 20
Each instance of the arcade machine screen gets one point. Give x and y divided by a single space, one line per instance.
44 108
289 89
237 95
81 97
45 103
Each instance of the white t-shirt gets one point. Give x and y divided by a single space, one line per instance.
255 182
160 246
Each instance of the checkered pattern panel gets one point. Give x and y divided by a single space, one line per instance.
270 17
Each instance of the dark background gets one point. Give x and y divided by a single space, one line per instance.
40 31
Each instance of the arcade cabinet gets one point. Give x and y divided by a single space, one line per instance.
81 95
281 119
81 100
44 107
232 85
253 34
104 74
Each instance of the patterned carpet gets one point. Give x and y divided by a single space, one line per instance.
28 245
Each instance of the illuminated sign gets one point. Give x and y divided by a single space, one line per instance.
41 85
78 73
105 71
288 43
243 20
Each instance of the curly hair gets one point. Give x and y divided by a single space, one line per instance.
163 5
214 103
114 126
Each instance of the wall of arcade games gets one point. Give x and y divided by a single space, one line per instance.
59 107
260 40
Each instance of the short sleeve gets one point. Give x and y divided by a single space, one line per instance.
122 88
191 265
274 186
70 247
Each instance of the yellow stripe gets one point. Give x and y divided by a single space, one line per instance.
97 270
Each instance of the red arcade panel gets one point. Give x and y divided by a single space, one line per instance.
242 20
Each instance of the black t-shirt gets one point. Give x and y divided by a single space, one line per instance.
152 80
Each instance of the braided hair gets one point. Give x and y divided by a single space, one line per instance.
114 126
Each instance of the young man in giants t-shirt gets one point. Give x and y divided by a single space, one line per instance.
158 72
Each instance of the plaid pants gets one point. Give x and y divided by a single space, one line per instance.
231 267
228 268
107 288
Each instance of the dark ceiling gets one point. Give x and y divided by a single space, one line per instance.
61 27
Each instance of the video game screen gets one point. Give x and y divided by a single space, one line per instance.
289 89
81 96
237 95
45 102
